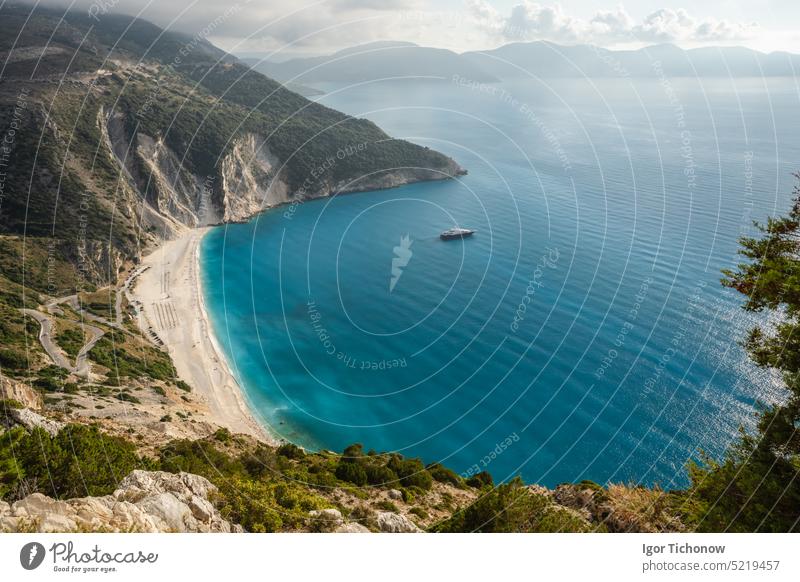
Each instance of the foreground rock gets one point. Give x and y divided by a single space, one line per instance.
351 528
390 522
30 420
146 501
326 518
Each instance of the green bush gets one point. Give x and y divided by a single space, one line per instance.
78 461
351 472
445 475
249 503
353 452
291 451
10 403
323 479
387 505
13 359
127 397
183 386
222 435
512 508
419 512
48 384
412 472
111 352
71 340
481 480
199 457
262 461
378 474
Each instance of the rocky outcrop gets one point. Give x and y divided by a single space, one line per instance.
251 180
326 518
351 528
395 494
144 502
616 508
390 522
29 419
11 389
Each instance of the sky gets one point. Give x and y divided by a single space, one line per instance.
290 28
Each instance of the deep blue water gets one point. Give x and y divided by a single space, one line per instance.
605 209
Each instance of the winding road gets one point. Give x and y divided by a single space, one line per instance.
47 330
93 333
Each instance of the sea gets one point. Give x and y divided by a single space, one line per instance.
581 333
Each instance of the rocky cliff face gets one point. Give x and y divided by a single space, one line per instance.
248 179
146 501
251 179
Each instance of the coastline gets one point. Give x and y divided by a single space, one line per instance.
170 295
185 329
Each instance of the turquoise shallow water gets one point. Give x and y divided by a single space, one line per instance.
581 333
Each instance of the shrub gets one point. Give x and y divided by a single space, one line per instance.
351 472
291 451
387 505
200 457
411 472
13 359
10 403
445 475
222 435
408 495
260 462
419 512
510 508
481 480
78 461
380 475
353 452
249 503
127 397
71 340
323 479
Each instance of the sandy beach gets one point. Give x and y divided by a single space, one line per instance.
168 291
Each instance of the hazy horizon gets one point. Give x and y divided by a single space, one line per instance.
318 27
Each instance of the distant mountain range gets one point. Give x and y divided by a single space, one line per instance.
384 60
378 60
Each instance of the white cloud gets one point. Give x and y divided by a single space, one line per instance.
323 26
533 21
265 23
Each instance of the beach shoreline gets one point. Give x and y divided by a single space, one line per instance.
169 295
